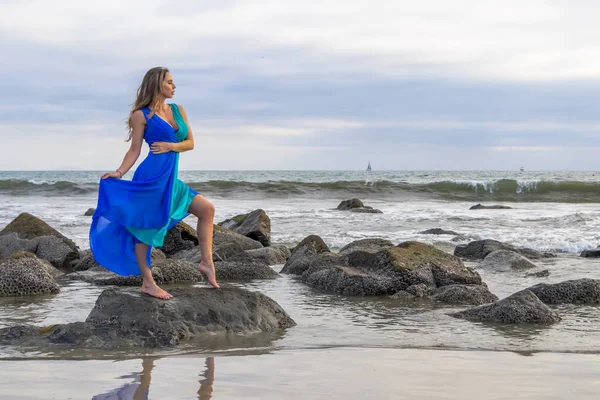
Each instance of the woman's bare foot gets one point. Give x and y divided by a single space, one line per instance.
152 289
209 271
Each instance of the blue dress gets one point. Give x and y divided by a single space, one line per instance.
144 209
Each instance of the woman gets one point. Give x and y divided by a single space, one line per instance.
134 216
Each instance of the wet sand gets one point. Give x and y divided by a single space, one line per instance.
331 373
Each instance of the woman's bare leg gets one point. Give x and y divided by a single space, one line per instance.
205 211
148 285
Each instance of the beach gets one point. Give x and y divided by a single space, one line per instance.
342 347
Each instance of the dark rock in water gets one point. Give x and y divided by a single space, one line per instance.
375 272
539 274
164 271
523 307
350 204
578 291
255 225
125 318
464 294
492 207
356 205
366 210
90 212
27 226
506 260
301 254
24 274
243 270
479 249
438 231
591 253
373 244
180 237
274 254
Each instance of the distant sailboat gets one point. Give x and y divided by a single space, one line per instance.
522 169
369 166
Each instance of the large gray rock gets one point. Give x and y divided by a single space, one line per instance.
243 270
578 291
464 294
125 318
523 307
275 254
375 271
27 226
301 255
255 225
178 238
164 271
24 274
49 248
506 260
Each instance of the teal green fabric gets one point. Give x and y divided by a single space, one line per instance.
181 195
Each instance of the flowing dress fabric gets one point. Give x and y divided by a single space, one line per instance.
145 208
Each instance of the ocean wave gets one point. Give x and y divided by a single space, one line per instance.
501 190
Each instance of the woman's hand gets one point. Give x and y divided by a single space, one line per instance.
161 147
112 174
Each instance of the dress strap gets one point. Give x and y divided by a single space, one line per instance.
146 111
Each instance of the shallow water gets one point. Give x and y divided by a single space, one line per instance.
343 347
329 373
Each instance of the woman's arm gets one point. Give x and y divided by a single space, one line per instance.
185 145
138 123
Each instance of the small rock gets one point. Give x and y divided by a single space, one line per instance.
492 207
350 204
506 260
24 274
438 231
301 255
178 238
255 225
595 253
464 294
90 212
539 274
523 307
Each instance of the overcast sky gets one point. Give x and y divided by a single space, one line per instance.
325 84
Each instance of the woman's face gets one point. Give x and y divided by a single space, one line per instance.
168 86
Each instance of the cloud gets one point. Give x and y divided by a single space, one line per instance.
280 84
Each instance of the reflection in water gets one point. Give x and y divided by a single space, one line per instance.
206 384
139 389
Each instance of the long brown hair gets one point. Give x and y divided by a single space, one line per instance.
147 93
